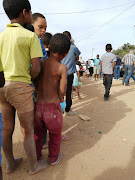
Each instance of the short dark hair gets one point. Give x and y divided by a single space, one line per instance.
60 44
13 8
109 47
35 16
67 33
46 38
29 27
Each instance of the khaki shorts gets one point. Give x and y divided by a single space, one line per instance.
96 69
18 95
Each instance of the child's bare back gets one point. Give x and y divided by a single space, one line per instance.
49 80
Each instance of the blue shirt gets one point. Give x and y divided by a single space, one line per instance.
69 60
45 56
96 62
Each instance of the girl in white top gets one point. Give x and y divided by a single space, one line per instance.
76 81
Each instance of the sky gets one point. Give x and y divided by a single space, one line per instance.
91 30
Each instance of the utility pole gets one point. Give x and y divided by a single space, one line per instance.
92 52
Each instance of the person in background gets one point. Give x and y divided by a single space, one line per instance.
77 79
117 68
69 61
129 62
100 72
91 64
96 67
87 69
107 64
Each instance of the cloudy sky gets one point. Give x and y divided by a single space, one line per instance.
93 28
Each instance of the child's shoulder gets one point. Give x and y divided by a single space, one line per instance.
63 67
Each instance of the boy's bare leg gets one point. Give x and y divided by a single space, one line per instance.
8 116
78 94
26 121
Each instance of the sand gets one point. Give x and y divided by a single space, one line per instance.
100 149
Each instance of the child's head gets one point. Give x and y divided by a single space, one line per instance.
68 34
39 23
97 56
18 9
46 39
60 45
108 47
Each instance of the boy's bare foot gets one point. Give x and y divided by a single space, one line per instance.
11 168
41 165
45 146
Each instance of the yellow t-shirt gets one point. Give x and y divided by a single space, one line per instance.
17 47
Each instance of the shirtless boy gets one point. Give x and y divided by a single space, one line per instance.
52 82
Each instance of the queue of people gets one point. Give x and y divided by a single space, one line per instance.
36 76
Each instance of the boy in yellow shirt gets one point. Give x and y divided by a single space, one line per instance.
18 49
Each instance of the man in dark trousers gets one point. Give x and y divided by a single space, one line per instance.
69 61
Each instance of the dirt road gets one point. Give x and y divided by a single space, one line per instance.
89 155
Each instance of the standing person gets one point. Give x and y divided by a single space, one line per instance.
117 68
96 67
76 79
91 63
132 75
52 82
16 95
100 72
107 63
129 61
69 61
87 69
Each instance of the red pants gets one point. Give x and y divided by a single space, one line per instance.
48 115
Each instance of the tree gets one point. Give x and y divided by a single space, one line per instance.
123 50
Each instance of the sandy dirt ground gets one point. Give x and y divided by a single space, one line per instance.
89 155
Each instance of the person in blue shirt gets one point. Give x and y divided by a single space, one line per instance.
96 67
69 61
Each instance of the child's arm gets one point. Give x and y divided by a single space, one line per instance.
78 74
63 82
2 79
35 70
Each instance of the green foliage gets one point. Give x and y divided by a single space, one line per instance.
123 49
